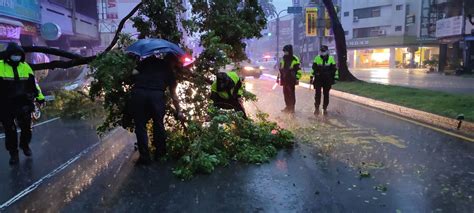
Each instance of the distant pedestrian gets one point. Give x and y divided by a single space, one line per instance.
227 91
290 73
19 91
154 75
323 76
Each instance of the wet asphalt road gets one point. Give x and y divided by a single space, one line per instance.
353 160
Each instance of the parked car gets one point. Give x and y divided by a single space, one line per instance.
249 69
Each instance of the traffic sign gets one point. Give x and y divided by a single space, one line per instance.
295 10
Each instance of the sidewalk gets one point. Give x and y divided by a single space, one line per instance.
415 78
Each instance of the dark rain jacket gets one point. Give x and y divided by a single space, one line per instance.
18 88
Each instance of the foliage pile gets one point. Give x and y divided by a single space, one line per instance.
225 138
73 105
223 27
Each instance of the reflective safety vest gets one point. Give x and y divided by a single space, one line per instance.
237 86
40 96
296 61
23 74
318 60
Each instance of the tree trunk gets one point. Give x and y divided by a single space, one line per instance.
76 59
340 38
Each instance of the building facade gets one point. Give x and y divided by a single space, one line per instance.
70 25
386 33
111 12
19 22
455 33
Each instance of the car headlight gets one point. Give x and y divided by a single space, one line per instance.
248 68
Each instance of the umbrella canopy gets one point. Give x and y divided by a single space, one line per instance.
152 46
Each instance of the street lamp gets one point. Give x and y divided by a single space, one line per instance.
278 33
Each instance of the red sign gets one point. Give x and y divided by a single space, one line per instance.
112 10
9 32
29 29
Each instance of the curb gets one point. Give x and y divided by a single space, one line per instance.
446 123
450 124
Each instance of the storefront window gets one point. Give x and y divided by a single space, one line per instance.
421 56
371 58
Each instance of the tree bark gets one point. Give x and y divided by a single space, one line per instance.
340 39
63 64
76 59
51 51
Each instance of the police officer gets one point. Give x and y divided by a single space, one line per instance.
152 77
18 90
323 77
290 73
226 92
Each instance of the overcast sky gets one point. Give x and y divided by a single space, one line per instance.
282 4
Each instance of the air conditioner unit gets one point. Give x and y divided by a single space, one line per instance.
356 19
382 32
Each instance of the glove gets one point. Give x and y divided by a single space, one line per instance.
278 81
311 80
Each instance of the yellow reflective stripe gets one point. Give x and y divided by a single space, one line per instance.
214 89
40 93
24 70
233 75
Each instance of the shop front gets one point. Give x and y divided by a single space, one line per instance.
19 21
390 52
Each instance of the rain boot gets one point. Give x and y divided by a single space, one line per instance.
325 112
26 150
144 158
316 111
14 158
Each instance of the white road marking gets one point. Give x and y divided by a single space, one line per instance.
38 124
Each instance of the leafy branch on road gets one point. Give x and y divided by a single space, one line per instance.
227 137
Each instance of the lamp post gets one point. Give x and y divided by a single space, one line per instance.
278 34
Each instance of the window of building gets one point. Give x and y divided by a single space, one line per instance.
399 7
376 12
398 28
366 32
346 14
346 33
367 12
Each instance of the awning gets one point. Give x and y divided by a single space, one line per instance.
11 22
469 38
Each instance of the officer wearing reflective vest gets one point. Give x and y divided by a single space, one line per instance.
227 90
323 76
290 74
18 90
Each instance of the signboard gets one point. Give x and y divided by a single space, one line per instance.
382 42
295 10
29 29
27 10
449 27
311 21
112 9
50 31
9 31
